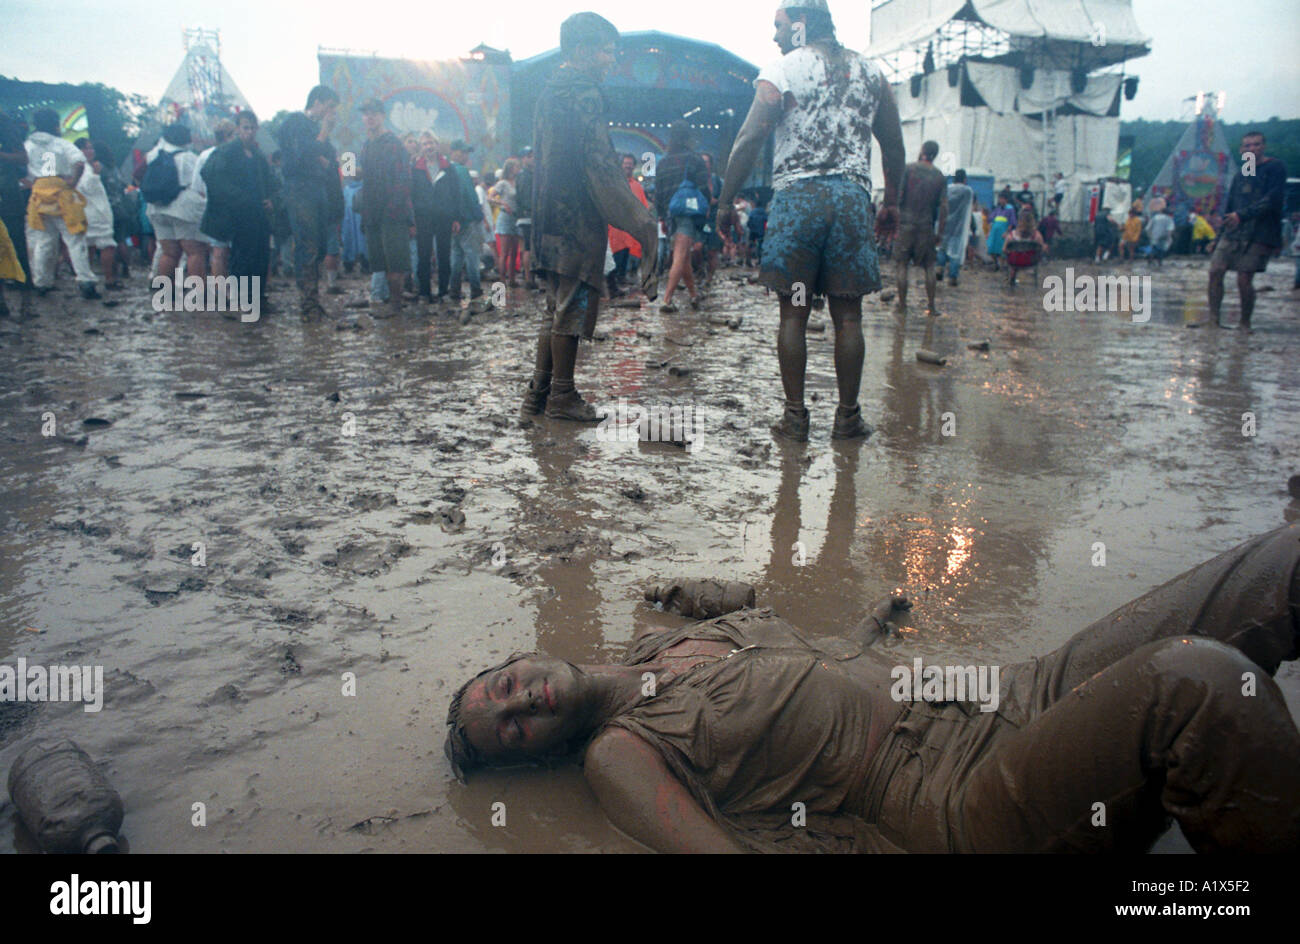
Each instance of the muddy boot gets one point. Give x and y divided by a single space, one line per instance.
87 290
567 404
312 310
539 389
389 309
849 424
793 425
702 599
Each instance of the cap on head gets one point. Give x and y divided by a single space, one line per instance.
527 150
372 107
460 144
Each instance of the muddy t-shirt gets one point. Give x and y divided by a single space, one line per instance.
830 103
780 721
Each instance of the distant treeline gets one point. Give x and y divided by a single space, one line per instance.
1154 141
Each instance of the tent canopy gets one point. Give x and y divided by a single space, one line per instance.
1097 32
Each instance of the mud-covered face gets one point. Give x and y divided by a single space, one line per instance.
526 710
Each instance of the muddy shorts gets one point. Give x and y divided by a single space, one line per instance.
572 306
820 234
388 247
915 244
1236 256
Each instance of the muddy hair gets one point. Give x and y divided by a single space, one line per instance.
585 29
461 754
819 27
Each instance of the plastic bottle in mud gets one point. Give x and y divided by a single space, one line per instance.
702 599
63 800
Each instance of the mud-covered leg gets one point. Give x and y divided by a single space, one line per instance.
1248 597
1170 730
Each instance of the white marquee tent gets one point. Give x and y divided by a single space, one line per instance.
1010 87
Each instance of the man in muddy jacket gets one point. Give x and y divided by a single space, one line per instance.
580 192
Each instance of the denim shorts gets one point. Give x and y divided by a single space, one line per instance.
820 233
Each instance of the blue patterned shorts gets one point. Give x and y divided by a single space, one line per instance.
821 233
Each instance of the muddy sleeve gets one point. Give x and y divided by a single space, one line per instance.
615 200
1270 195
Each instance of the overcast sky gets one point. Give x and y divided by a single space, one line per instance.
1247 48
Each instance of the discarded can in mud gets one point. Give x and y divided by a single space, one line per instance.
63 799
930 357
702 599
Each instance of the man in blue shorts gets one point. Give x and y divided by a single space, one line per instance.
824 102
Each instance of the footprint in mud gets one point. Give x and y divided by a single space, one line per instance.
289 665
158 589
367 558
372 501
80 527
451 519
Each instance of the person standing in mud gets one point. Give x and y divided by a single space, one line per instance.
240 188
55 209
956 232
825 102
386 213
581 191
525 187
308 169
466 231
13 198
1252 226
922 204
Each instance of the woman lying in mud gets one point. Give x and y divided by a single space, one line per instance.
741 734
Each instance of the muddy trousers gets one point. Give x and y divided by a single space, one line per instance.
1166 708
309 218
43 250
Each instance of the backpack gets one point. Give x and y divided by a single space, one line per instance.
688 201
162 182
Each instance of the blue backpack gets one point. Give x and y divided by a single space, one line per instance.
161 183
688 201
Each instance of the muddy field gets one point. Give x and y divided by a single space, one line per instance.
328 553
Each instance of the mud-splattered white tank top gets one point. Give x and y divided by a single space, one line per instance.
828 131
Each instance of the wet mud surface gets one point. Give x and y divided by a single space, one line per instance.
443 534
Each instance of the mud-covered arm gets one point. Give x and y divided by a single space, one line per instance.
878 626
615 200
941 211
642 797
888 130
764 114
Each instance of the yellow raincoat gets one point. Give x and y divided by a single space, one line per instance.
52 196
